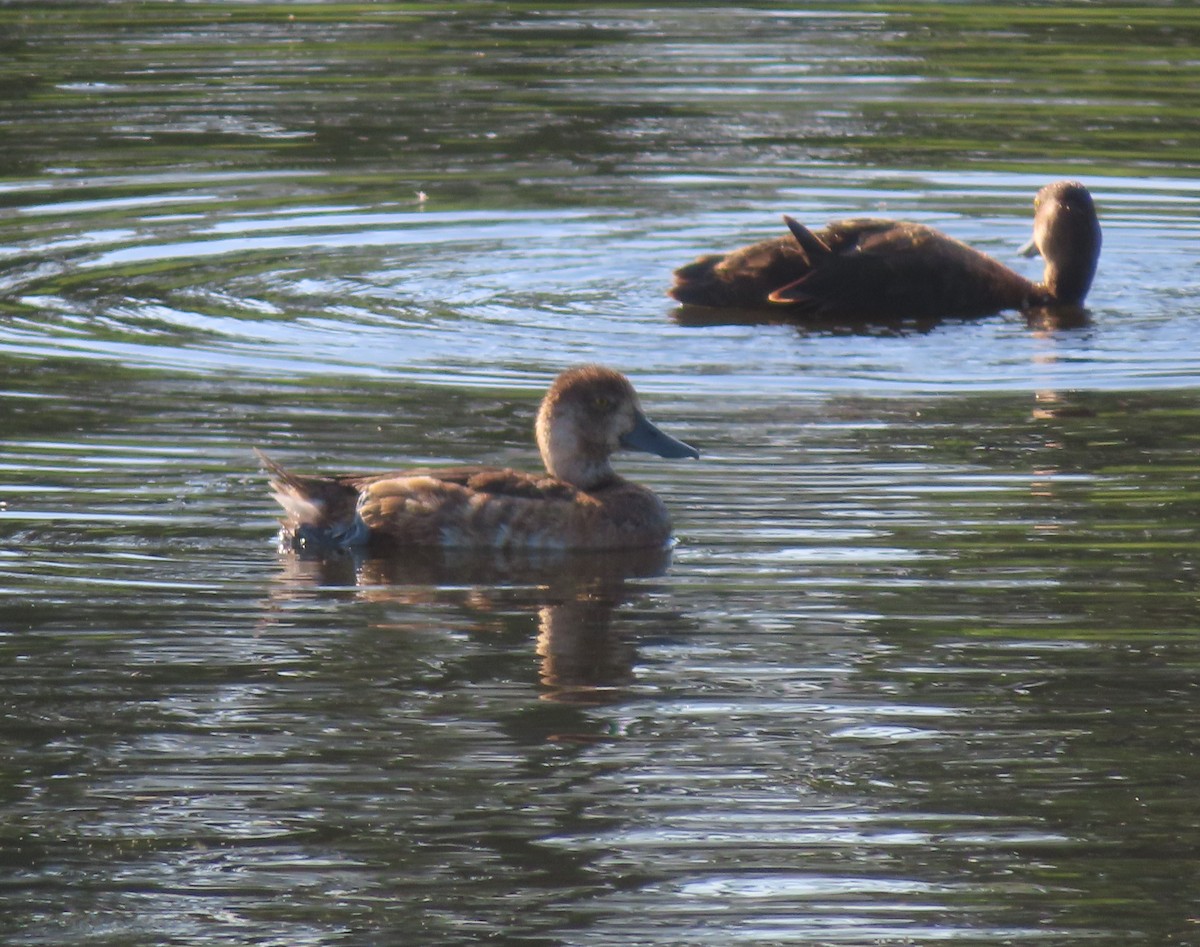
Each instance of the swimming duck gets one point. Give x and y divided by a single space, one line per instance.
579 503
870 269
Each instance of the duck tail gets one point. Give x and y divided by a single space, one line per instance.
320 513
813 246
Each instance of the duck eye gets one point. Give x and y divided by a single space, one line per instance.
602 403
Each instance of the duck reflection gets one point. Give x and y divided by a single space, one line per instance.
573 595
1059 463
582 659
1049 404
1053 318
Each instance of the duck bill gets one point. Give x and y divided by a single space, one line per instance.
647 438
1030 248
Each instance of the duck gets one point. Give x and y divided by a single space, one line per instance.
870 269
579 503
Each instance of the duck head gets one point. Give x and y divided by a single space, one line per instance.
1066 232
588 414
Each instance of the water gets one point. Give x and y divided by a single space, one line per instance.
922 666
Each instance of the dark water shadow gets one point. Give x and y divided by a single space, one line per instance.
573 596
1039 319
708 316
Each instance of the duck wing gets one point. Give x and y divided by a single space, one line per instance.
466 506
742 277
413 506
747 277
492 481
879 269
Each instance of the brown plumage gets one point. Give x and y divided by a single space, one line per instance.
868 269
578 503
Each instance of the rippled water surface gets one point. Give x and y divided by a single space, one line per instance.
922 667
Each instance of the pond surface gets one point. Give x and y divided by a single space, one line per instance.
924 665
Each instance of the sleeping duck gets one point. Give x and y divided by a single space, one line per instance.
869 269
580 502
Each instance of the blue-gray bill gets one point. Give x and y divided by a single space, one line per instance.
646 437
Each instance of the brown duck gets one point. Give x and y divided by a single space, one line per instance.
579 503
870 269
